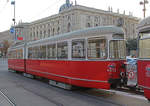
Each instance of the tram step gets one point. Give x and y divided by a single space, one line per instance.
28 75
60 85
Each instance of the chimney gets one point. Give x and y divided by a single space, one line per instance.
124 12
75 2
111 9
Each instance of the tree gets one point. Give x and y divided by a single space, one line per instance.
5 47
131 44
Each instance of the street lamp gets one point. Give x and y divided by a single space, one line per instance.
144 7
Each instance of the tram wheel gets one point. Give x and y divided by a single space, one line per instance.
132 88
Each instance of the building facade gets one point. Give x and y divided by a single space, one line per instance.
75 17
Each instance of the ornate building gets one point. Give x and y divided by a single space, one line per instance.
75 17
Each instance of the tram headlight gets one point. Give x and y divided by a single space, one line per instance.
122 74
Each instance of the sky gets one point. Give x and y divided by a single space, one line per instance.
31 10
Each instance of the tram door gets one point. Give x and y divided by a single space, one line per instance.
147 75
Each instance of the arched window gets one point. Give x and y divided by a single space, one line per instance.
49 33
53 31
69 27
88 25
58 30
44 34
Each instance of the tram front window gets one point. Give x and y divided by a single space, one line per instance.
117 49
144 45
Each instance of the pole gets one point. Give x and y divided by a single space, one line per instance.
144 2
144 9
15 18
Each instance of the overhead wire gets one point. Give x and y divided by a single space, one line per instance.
50 6
4 7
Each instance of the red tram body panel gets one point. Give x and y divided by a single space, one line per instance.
17 64
144 76
11 64
92 74
144 56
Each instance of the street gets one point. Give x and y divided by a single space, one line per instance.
17 90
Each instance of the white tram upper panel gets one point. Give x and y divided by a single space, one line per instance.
106 31
144 25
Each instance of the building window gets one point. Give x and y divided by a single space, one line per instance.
96 48
49 33
96 24
40 34
69 27
58 30
62 50
88 25
44 33
37 34
53 31
78 49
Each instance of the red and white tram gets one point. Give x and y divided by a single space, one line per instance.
16 57
144 56
92 58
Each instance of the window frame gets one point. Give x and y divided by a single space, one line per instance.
118 53
57 47
84 48
106 48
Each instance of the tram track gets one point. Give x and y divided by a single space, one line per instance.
7 99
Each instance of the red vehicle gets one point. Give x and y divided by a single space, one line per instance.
16 57
144 56
92 58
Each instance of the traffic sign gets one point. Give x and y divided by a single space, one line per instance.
12 30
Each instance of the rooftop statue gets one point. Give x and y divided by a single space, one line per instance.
65 6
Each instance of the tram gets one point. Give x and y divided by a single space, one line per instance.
144 56
92 58
16 59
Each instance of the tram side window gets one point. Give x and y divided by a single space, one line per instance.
144 48
42 52
97 48
19 54
30 52
36 50
51 51
78 49
62 50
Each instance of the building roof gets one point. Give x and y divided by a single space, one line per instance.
86 9
144 25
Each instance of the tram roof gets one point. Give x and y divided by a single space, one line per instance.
82 33
144 25
17 45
